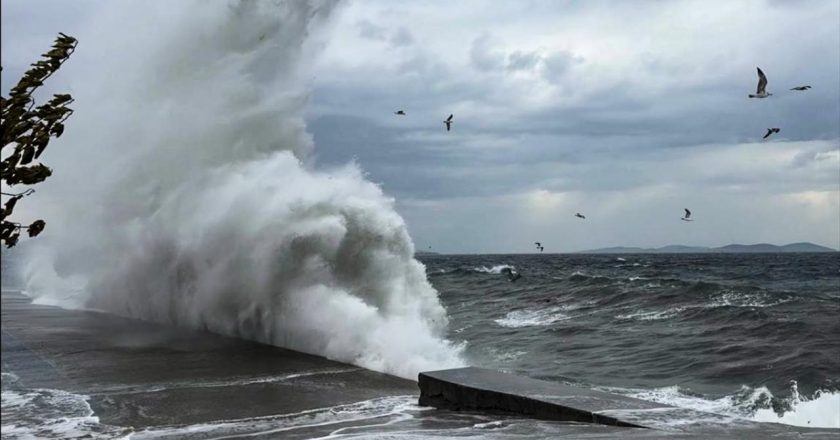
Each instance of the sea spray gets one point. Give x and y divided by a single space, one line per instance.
183 196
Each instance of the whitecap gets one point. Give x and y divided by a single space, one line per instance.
731 298
653 315
51 414
532 317
497 269
822 410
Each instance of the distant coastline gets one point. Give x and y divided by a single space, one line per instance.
728 249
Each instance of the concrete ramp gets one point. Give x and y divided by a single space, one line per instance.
481 389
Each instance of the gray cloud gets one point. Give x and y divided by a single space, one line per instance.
521 60
396 38
371 31
483 54
558 63
402 37
636 116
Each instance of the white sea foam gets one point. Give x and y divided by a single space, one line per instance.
532 317
652 315
730 298
820 411
727 298
183 194
496 424
51 414
497 269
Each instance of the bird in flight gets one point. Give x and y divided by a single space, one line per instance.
542 248
801 88
771 131
687 217
579 215
761 90
399 112
537 243
448 122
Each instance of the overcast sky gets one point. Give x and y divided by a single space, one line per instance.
627 112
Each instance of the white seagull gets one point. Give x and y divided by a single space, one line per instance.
760 91
448 122
687 217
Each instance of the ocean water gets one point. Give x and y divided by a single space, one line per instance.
751 335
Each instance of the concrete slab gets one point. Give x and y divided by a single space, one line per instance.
481 389
142 374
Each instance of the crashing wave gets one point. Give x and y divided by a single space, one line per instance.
195 206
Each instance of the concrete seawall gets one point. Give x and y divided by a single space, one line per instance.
479 389
142 374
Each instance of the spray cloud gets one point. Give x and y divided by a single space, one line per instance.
182 194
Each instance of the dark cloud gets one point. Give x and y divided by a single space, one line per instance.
616 109
521 60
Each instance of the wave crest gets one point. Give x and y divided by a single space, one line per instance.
210 218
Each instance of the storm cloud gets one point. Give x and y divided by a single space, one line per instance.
627 112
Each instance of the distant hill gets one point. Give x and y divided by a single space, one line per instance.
730 248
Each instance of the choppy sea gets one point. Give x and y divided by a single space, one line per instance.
751 335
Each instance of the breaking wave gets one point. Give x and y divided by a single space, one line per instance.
497 269
194 203
50 414
822 410
492 270
532 317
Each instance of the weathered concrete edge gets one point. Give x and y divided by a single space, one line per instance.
454 396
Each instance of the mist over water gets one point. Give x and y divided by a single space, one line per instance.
181 193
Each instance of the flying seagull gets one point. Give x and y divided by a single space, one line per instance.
687 217
760 91
541 248
399 112
448 122
801 88
537 243
579 215
771 131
